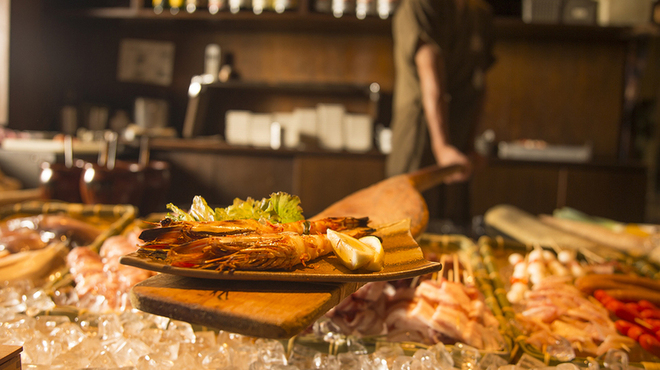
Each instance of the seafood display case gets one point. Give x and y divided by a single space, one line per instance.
479 310
37 235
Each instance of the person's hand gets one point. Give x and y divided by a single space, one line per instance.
448 155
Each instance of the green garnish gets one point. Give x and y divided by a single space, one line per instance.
279 208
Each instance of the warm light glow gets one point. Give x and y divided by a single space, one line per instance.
194 89
361 10
46 175
89 175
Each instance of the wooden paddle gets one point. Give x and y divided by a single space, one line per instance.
276 309
393 199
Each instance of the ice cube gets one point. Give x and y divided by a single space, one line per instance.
110 327
154 362
529 362
38 301
46 323
322 361
442 356
491 359
561 350
349 360
216 357
465 356
69 333
302 356
127 351
406 363
103 360
187 361
179 331
270 351
616 359
355 346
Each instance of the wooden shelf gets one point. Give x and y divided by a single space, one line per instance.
510 28
215 145
303 18
298 88
300 19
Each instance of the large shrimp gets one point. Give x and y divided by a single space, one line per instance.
250 252
177 232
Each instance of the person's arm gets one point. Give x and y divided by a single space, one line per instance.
432 77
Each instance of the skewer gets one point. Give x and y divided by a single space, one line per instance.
457 276
443 262
468 273
415 280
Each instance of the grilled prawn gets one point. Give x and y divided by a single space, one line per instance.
250 252
171 232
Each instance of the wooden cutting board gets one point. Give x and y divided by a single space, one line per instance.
266 309
278 309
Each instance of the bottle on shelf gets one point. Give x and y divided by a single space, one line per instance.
342 7
281 6
385 8
364 8
214 6
258 6
158 6
237 5
193 5
175 6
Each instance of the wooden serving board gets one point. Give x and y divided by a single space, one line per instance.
277 309
266 309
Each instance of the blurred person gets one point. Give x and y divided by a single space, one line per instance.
442 50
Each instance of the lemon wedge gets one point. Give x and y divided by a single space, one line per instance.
374 243
355 253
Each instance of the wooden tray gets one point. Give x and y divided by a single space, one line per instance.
403 259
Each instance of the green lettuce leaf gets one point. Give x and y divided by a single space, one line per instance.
178 214
279 208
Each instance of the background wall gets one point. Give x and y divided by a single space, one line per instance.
558 83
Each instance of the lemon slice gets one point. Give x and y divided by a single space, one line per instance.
374 243
353 253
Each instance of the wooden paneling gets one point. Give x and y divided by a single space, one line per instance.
221 178
222 175
531 188
30 77
323 180
613 191
564 92
618 194
5 10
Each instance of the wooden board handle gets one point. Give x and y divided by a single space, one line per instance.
432 176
